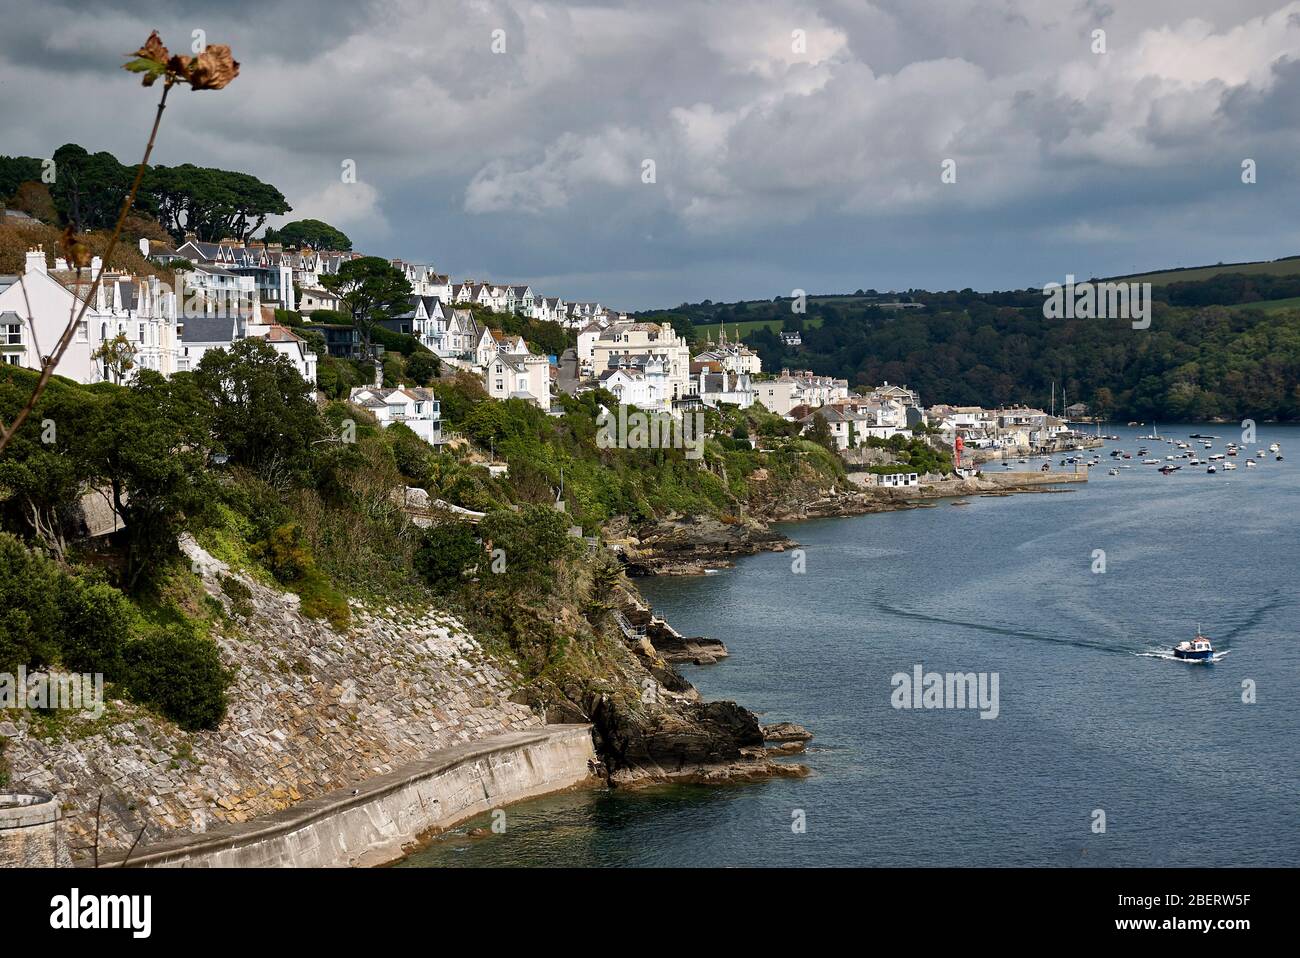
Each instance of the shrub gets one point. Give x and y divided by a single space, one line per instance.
286 553
448 551
423 368
29 615
96 624
180 674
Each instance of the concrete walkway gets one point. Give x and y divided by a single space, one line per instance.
374 822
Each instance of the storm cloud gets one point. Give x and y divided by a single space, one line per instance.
794 144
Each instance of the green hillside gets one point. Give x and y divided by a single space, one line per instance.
1289 266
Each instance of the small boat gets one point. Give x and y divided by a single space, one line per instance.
1112 472
1250 463
1232 450
1150 462
1198 649
1211 470
1229 465
1273 447
1168 470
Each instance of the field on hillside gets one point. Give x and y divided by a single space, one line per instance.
1271 305
749 326
1280 267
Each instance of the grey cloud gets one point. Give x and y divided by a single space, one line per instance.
774 170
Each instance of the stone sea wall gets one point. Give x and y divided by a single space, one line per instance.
312 710
377 821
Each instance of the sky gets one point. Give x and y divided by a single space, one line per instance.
645 154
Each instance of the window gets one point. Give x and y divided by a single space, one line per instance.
141 336
11 359
11 334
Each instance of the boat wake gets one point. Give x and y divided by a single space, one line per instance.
993 629
1169 656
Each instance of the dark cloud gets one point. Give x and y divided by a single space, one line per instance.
796 144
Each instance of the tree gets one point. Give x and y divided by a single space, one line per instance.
29 620
16 170
148 444
313 233
117 356
371 289
821 432
527 543
423 367
212 204
447 552
261 415
89 189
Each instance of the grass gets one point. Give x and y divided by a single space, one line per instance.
748 326
1271 305
1279 267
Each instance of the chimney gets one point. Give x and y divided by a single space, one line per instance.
191 237
379 375
35 260
96 266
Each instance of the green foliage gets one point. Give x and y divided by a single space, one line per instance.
371 289
212 204
820 433
287 554
117 356
532 540
16 170
49 617
1196 361
313 233
96 624
89 189
261 415
179 672
447 552
29 615
422 368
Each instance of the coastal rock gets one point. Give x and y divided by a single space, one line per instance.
681 741
786 732
692 546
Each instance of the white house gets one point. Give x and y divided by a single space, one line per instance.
314 298
35 309
631 387
285 342
896 480
414 407
617 344
801 388
519 376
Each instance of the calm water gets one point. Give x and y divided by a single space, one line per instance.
1186 773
